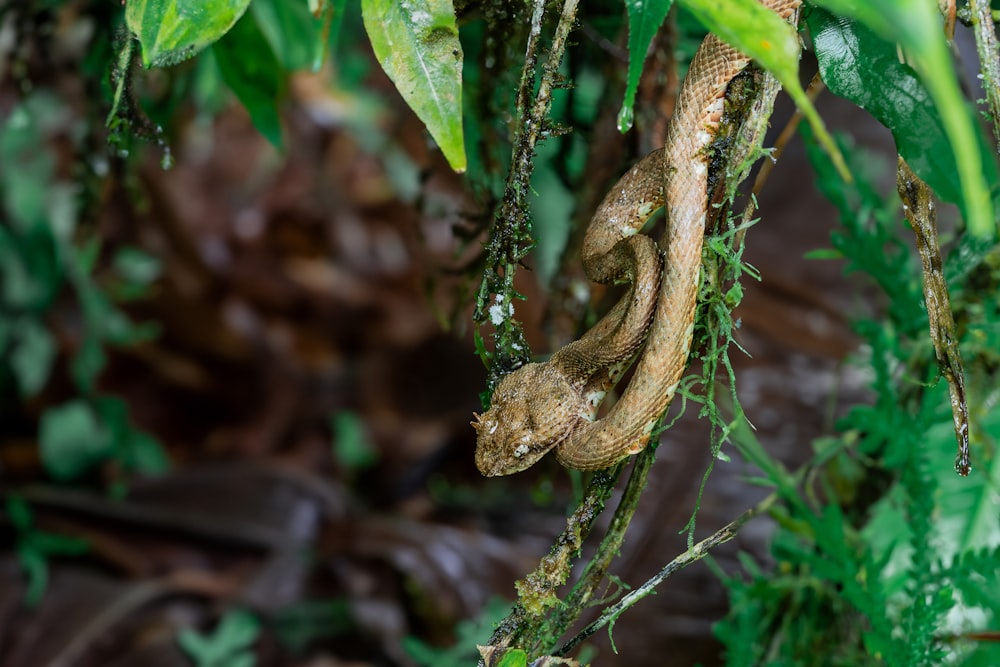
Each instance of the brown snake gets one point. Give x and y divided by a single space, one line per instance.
542 406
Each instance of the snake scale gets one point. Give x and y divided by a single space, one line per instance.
553 405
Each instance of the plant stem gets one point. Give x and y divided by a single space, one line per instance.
578 599
510 234
527 625
919 209
693 554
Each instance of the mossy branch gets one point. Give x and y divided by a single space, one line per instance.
693 554
510 233
527 625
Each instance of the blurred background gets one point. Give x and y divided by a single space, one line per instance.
237 378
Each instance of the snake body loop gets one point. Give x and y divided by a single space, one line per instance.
542 406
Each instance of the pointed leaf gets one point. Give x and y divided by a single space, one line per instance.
296 36
915 25
173 30
250 69
858 65
644 18
416 42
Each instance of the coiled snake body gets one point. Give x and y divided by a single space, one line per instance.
542 406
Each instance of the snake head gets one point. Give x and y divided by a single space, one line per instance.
533 410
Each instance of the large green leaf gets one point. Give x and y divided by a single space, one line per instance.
915 25
250 69
644 19
860 66
755 30
173 30
416 43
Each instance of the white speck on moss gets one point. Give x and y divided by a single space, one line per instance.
497 310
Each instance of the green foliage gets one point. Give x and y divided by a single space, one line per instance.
417 45
882 554
228 646
44 254
859 65
296 36
883 562
251 70
514 658
34 547
644 19
914 24
719 294
352 447
174 30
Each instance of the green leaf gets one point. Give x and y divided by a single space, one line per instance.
250 69
144 454
514 657
751 28
173 30
644 19
351 445
133 449
294 33
237 631
136 266
197 647
99 317
333 20
860 66
71 440
30 274
416 43
32 356
26 172
916 26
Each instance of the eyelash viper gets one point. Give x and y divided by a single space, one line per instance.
542 406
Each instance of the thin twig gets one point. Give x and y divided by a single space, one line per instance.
693 554
596 570
510 233
525 624
918 207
